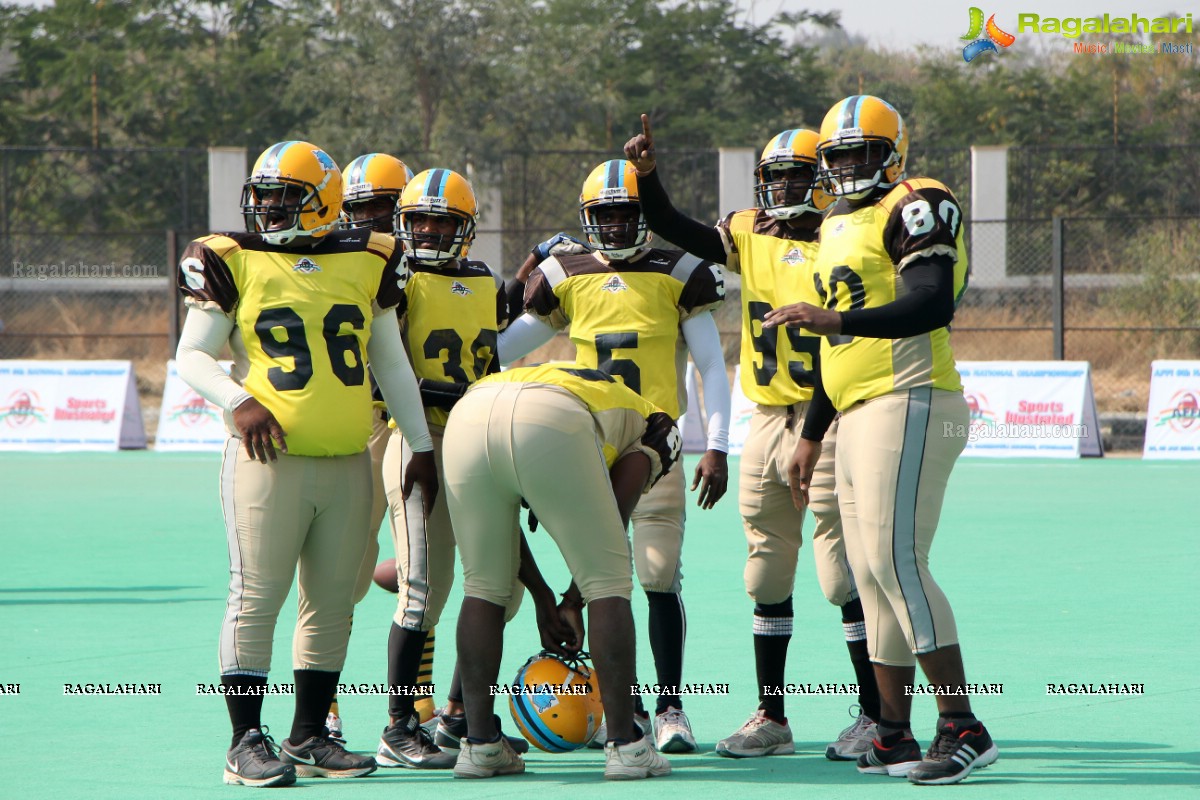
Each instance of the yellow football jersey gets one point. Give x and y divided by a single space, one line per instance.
625 315
862 254
303 319
451 319
621 414
777 363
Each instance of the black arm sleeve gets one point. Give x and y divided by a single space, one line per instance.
820 412
441 394
699 239
928 303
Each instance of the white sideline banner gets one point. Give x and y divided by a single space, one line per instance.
741 409
693 425
63 406
1173 416
188 422
1043 409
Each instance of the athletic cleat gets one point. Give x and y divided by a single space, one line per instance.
954 754
634 761
432 723
452 729
854 740
487 760
895 761
674 732
642 720
334 723
325 757
253 762
760 736
407 744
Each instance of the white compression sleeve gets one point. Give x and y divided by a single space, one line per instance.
204 333
704 343
526 334
394 374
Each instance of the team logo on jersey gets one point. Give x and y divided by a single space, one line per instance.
1182 414
793 257
24 408
460 289
614 285
838 228
306 265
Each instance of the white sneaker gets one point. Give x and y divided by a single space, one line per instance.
760 736
598 741
674 732
854 740
334 723
487 760
634 761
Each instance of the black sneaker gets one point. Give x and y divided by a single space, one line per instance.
407 744
895 761
324 757
253 762
954 754
452 728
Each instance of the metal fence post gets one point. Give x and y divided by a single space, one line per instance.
172 293
1057 293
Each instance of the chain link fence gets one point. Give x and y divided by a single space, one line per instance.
89 268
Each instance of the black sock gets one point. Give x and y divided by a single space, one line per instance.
245 710
892 731
961 719
668 628
405 648
855 629
314 691
772 633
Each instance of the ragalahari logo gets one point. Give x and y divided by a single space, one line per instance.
992 36
1183 415
24 408
980 411
193 412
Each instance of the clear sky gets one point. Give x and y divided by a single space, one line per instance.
904 24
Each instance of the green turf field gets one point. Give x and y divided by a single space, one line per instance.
114 570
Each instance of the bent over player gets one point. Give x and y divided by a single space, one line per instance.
303 307
890 271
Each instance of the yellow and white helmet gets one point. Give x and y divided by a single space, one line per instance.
437 193
785 179
613 185
370 179
556 703
863 147
294 192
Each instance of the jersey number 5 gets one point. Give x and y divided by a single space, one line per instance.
626 368
349 370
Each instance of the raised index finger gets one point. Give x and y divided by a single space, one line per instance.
646 131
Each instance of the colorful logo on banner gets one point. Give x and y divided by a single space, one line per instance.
980 410
1183 414
193 412
992 36
24 408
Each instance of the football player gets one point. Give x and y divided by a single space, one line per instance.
773 247
634 312
303 307
372 184
551 434
889 274
451 314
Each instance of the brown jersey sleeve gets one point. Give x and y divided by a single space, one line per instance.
204 277
394 278
703 289
925 222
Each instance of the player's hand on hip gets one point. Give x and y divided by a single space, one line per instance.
815 319
712 476
640 149
421 472
800 471
260 431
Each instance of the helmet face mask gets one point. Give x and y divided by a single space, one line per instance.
435 218
293 195
785 184
375 213
374 183
610 212
863 147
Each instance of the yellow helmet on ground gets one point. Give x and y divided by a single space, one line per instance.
556 703
863 147
437 193
370 180
294 192
612 190
785 178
